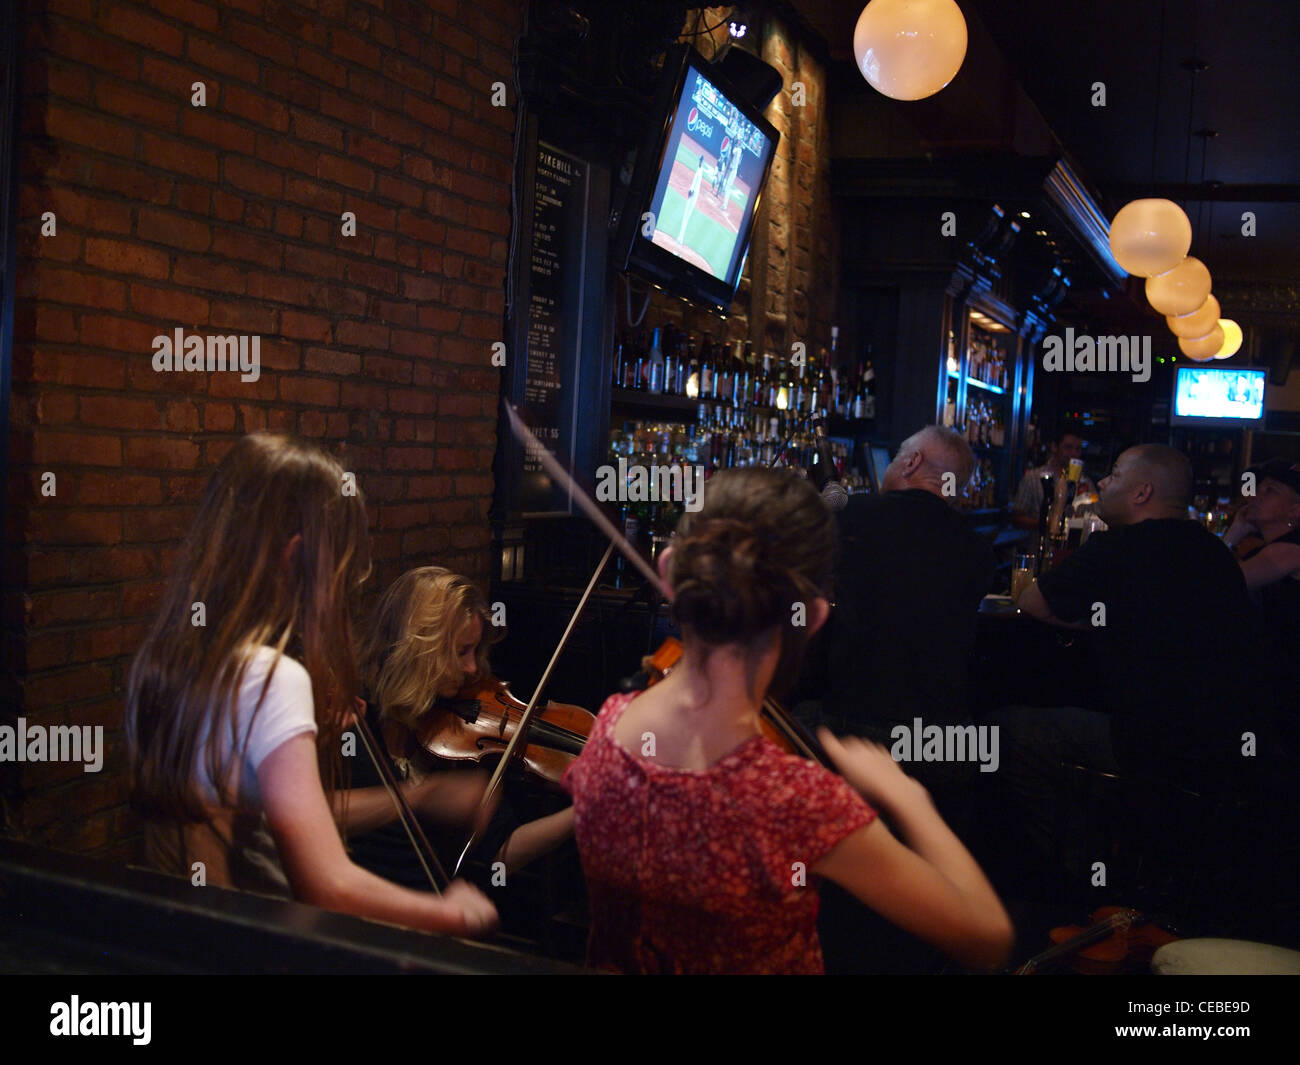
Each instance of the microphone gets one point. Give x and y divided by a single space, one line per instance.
824 474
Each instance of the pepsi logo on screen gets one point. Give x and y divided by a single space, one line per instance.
696 124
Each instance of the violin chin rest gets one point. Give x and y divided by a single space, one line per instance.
637 682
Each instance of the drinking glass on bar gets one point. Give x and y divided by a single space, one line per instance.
1022 575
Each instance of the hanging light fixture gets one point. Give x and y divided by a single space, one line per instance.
1202 349
1232 338
910 49
1198 323
1149 237
1180 290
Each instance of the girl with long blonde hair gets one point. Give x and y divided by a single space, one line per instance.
430 633
237 700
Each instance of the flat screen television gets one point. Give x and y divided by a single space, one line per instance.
697 185
879 464
1218 396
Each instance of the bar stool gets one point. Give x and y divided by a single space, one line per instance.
1169 851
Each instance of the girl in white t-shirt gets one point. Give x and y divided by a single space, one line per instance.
237 700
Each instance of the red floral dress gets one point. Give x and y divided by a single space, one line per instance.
703 871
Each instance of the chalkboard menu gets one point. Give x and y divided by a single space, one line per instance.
554 313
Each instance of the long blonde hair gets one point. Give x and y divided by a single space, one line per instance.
409 651
237 562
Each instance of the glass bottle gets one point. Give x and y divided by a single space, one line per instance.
655 371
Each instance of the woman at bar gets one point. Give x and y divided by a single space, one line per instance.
1272 573
430 635
238 697
701 841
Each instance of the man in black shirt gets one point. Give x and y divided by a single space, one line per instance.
1171 623
1170 626
911 576
909 584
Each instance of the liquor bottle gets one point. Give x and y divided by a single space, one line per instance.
640 362
721 372
823 388
692 369
681 368
616 381
783 389
796 395
868 381
706 368
631 530
844 394
655 372
740 377
670 362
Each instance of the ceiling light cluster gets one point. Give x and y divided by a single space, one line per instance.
1151 239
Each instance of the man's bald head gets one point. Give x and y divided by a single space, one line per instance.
925 456
1169 471
1148 481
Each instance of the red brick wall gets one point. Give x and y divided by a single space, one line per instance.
226 219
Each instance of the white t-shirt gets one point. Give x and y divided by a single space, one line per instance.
287 711
238 845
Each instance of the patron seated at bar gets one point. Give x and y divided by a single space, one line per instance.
1172 635
1027 505
908 586
1272 572
907 592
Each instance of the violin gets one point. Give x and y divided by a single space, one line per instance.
479 721
775 721
1118 940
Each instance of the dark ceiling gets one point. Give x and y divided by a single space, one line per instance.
1145 140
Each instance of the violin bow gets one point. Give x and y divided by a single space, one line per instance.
776 714
518 742
438 878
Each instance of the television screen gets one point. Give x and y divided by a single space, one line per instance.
1218 394
880 463
699 180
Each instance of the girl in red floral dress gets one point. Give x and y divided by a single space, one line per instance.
702 842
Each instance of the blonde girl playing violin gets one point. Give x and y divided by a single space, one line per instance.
430 634
234 724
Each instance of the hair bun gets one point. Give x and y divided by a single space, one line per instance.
725 587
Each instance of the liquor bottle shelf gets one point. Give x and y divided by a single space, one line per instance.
655 402
849 428
997 390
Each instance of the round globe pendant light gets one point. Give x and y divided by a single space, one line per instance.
1199 322
1180 290
1231 339
1149 237
910 49
1202 349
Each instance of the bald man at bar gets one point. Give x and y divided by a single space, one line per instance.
911 576
1170 616
908 586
